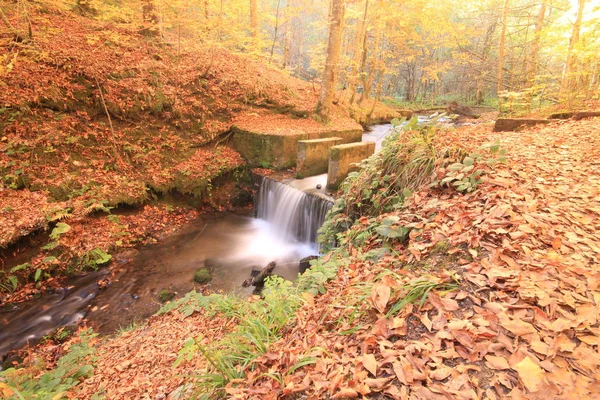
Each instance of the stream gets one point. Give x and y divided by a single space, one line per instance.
284 230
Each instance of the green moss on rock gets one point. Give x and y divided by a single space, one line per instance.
203 275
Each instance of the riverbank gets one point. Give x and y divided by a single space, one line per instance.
488 293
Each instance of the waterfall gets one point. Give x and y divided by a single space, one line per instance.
293 214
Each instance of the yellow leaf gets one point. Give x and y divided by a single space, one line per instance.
530 374
5 390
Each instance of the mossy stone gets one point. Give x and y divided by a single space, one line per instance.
166 295
203 275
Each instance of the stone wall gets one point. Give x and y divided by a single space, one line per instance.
267 150
313 156
342 159
347 136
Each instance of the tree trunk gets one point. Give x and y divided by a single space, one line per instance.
150 18
287 45
565 84
19 37
254 20
359 52
500 85
368 78
336 17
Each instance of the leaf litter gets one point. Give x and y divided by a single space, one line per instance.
521 323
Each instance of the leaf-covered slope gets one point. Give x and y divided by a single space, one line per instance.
523 321
92 113
493 294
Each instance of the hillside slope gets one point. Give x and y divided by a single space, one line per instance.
92 106
94 115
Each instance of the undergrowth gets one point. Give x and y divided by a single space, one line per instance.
259 323
33 383
408 160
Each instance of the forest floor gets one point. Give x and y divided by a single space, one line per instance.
513 310
512 268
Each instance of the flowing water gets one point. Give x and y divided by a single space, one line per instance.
231 245
288 216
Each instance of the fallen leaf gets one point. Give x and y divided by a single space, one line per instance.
380 295
496 362
345 393
530 374
369 362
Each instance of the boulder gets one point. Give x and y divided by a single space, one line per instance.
514 124
461 110
305 263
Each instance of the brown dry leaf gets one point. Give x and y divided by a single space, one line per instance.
530 374
377 384
345 393
440 374
518 327
369 362
426 321
380 295
496 362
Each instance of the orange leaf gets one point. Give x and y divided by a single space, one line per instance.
369 362
495 362
345 393
530 374
380 295
556 243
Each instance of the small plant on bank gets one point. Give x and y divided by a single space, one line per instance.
406 162
166 295
77 364
463 176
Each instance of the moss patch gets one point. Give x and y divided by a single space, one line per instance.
166 295
203 275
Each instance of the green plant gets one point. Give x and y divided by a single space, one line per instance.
463 176
418 290
77 364
94 259
390 228
166 295
406 162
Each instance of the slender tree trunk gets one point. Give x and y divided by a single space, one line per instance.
287 45
565 84
19 37
500 84
276 29
359 52
368 78
150 18
206 10
254 22
336 18
535 46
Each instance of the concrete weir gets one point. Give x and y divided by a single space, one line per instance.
280 150
347 135
342 159
263 150
313 156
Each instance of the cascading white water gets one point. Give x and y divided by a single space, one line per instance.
293 214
